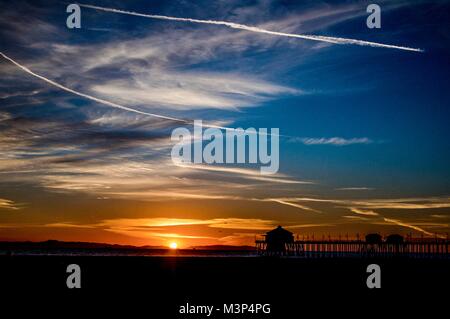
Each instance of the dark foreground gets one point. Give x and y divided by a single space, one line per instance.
159 286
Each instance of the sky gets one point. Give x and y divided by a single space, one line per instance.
364 134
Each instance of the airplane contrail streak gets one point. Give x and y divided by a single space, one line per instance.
90 97
417 228
334 40
115 105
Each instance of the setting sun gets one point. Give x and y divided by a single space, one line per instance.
173 245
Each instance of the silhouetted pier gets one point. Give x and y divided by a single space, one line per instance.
348 248
280 242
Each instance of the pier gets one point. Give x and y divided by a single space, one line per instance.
280 242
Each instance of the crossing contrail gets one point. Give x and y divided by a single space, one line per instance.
87 96
233 25
112 104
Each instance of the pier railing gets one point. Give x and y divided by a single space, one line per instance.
358 248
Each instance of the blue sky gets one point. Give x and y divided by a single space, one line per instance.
376 119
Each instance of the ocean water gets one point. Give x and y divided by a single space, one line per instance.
126 252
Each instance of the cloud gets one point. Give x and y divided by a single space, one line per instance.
363 212
289 203
8 204
336 141
355 217
152 222
414 227
183 98
246 238
243 172
191 91
405 203
69 225
243 223
372 211
439 216
155 223
161 227
354 189
310 225
16 23
377 203
333 40
109 153
162 222
87 96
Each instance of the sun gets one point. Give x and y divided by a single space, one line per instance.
173 245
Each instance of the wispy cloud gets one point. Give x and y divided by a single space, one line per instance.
353 217
243 172
336 141
379 203
376 211
8 204
160 227
69 225
155 223
439 216
333 40
152 222
87 96
405 203
354 189
174 95
191 90
411 226
291 203
363 212
310 225
243 223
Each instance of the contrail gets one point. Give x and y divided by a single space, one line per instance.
419 229
90 97
115 105
233 25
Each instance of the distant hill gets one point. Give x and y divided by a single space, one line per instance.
56 244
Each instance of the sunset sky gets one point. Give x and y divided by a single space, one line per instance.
365 143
